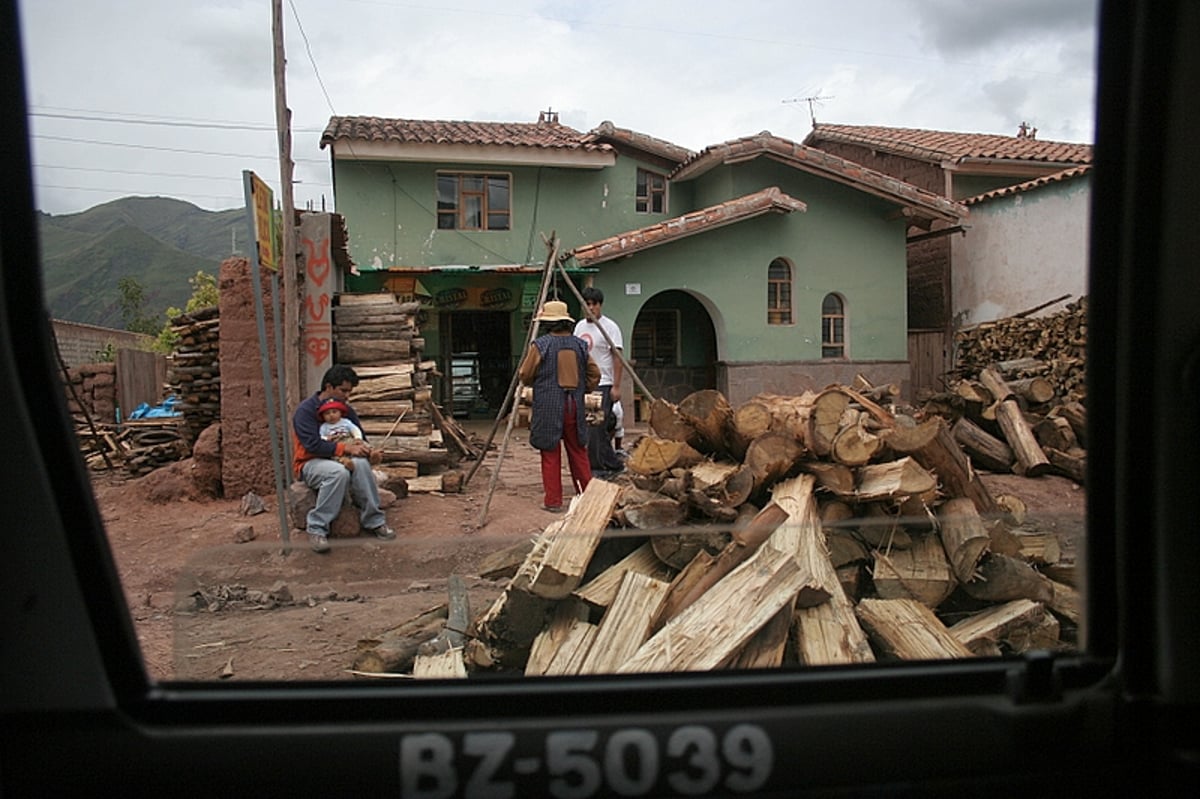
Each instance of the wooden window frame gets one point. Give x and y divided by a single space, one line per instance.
649 195
661 326
470 201
779 294
833 329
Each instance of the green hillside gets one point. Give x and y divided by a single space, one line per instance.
158 241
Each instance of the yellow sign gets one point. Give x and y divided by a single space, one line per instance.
264 220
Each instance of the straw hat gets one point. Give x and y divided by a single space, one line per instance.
554 311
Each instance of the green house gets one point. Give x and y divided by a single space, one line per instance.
756 265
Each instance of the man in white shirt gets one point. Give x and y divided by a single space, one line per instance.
604 459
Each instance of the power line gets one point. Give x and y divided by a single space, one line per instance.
237 179
126 192
311 60
89 115
166 149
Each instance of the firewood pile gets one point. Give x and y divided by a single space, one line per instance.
194 369
137 446
379 337
821 529
1017 400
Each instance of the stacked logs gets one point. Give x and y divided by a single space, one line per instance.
811 530
148 444
194 369
1056 343
379 337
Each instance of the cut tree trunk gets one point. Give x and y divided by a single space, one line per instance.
920 572
1031 461
983 448
600 590
1001 578
653 455
892 480
709 414
933 446
769 457
668 423
981 632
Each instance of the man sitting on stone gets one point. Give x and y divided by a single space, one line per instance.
315 463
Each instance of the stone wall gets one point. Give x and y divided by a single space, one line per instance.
92 392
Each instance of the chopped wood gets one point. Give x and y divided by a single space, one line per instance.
601 589
893 479
963 536
558 630
709 414
705 635
658 513
932 445
906 629
844 548
1031 460
669 424
1035 390
443 665
823 418
1055 432
1001 578
573 649
854 445
558 569
921 572
983 448
1045 633
982 631
652 455
1066 602
625 625
1072 464
1076 415
769 457
678 549
836 477
503 563
394 650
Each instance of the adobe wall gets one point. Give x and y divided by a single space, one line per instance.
81 344
246 451
92 388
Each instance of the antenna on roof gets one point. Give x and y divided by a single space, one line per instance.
815 98
548 116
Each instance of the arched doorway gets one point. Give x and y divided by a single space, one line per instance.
673 346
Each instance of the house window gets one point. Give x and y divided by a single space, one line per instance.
651 192
833 327
473 202
779 293
656 338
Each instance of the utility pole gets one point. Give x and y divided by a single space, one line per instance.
287 264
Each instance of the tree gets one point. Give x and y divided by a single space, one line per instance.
133 307
205 294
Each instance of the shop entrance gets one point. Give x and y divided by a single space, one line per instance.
478 349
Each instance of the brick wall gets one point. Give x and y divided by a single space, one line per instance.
82 344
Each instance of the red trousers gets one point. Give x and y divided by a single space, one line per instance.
577 460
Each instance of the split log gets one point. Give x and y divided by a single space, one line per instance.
709 414
906 629
880 528
933 446
1002 578
729 484
835 477
562 627
1076 415
678 549
854 445
823 419
440 666
1055 432
601 589
705 635
1044 633
982 447
557 569
921 573
372 350
659 513
1066 602
574 649
982 631
503 563
963 536
743 544
625 626
652 455
891 480
393 651
844 548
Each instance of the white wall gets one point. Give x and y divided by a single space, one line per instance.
1020 251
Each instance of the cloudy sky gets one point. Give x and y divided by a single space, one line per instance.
173 98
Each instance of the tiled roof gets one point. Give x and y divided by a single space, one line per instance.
1054 177
542 135
607 132
938 145
747 207
922 203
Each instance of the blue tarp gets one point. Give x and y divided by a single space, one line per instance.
147 411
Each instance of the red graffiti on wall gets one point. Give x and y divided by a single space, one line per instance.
316 307
318 349
318 259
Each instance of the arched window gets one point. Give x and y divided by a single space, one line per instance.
833 327
779 293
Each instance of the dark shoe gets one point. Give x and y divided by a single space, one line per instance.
383 532
552 508
319 543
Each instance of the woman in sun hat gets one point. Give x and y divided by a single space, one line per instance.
560 371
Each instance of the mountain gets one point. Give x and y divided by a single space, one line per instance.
158 241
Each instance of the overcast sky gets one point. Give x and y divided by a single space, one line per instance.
173 98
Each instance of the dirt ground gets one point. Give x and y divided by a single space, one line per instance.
208 606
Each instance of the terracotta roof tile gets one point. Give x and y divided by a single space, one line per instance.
542 135
1054 177
751 205
607 132
938 145
923 203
